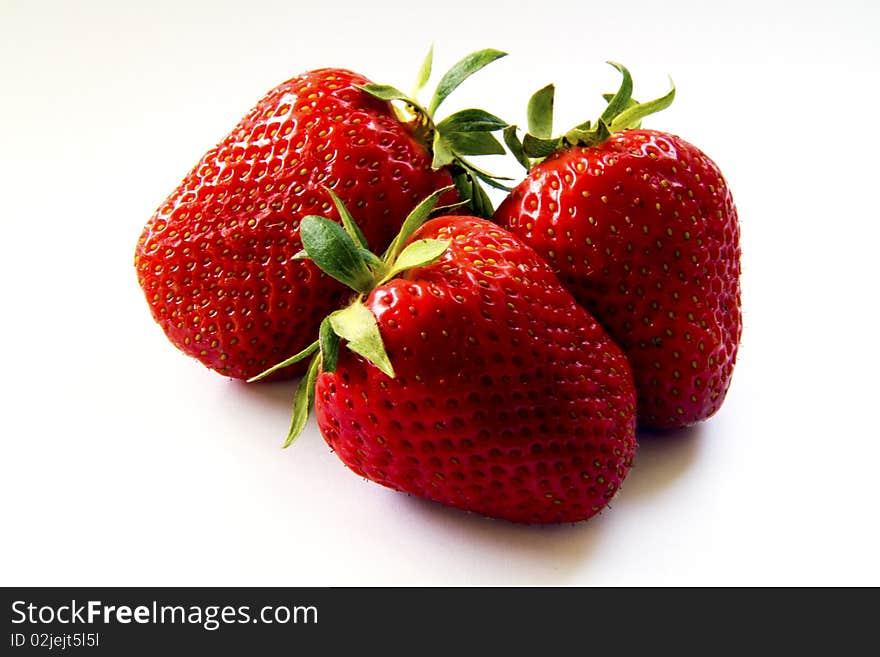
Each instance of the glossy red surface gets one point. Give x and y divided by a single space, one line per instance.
215 260
644 233
509 398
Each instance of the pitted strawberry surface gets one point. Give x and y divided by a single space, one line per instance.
215 261
508 400
643 231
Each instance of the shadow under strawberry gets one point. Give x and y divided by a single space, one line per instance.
662 458
547 553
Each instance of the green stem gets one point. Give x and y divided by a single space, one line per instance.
340 252
622 113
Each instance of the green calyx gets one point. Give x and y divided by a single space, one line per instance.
458 136
342 252
623 112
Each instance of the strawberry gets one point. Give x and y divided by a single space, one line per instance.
472 377
641 227
215 260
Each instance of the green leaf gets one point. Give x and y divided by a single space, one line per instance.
514 145
329 346
348 221
493 183
481 172
412 112
305 353
357 325
632 102
412 223
462 185
540 112
482 200
591 137
372 259
446 209
474 143
384 92
443 155
331 248
540 147
471 120
300 255
469 188
424 72
466 67
633 115
485 176
579 137
620 101
302 402
602 130
420 252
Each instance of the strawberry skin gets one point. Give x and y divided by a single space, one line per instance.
643 231
509 399
215 260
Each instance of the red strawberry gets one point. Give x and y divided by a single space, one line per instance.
498 393
641 227
215 260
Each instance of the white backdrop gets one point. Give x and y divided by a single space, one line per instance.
124 462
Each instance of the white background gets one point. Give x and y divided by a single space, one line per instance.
124 462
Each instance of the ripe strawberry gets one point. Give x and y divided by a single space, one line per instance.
641 228
498 393
215 260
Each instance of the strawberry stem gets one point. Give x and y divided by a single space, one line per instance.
621 113
302 401
340 251
458 136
